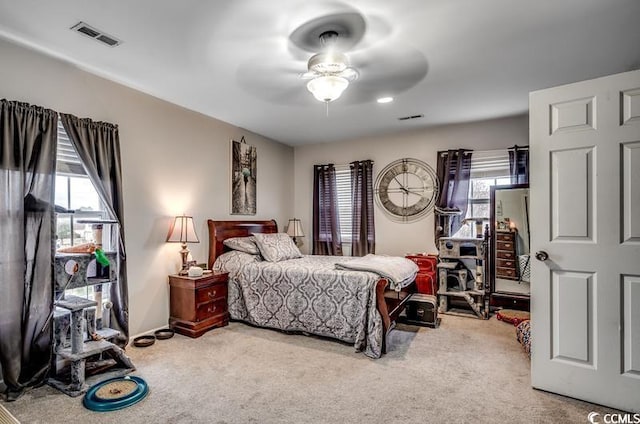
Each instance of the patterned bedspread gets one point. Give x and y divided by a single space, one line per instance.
306 294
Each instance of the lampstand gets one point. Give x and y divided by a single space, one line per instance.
182 231
294 229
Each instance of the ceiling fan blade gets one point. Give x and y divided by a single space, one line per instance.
386 71
272 81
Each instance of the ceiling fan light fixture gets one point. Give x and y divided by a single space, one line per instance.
328 63
327 88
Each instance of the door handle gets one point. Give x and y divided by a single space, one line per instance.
541 255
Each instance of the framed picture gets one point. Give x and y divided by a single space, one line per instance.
243 178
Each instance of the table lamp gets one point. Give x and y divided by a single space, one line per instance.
182 231
294 229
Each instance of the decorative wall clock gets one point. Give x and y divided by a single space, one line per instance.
406 189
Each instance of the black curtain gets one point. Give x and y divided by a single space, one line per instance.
326 224
519 164
28 136
363 235
454 169
98 147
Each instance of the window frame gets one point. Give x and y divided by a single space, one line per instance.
69 166
485 165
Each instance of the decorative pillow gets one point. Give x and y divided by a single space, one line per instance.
232 261
523 335
243 244
276 247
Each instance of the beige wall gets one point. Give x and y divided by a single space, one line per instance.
174 161
391 237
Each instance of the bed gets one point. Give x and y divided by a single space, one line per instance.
307 294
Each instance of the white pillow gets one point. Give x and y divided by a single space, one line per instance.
243 244
276 247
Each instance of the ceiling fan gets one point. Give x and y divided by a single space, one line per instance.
329 50
329 71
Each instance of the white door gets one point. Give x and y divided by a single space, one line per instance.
585 214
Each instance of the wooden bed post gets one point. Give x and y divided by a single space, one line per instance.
381 287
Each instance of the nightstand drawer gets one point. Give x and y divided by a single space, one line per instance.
506 263
504 245
214 292
505 236
505 255
505 272
210 309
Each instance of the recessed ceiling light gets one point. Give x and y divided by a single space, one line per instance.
385 100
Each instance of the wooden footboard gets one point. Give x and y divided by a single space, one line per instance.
390 304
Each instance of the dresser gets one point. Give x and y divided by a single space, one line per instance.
198 304
506 257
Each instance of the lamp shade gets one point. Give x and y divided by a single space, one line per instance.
294 228
327 88
182 230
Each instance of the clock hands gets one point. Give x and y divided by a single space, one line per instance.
403 188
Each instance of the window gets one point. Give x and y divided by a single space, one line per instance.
75 193
345 206
488 168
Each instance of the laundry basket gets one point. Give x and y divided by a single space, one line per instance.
524 262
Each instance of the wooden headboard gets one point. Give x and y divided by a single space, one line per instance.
219 231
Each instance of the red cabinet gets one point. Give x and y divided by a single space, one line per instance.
427 277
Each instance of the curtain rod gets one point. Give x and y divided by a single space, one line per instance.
468 152
446 152
345 165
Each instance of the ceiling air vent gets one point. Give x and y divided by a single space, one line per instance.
96 34
406 118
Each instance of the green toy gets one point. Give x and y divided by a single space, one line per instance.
101 258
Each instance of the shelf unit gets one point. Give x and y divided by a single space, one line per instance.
454 274
82 336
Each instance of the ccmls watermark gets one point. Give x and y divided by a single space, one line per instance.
595 417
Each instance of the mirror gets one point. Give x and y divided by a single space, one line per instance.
510 253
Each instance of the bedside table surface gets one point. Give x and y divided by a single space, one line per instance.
197 282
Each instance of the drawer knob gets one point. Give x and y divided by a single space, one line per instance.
212 294
211 309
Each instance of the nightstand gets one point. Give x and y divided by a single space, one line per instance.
198 304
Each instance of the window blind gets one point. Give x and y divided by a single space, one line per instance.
345 210
489 163
67 160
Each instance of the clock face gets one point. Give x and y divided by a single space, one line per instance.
406 189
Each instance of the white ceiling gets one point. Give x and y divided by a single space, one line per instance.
451 60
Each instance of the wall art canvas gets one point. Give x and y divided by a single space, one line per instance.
243 178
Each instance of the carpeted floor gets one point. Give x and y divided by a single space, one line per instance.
466 371
6 417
